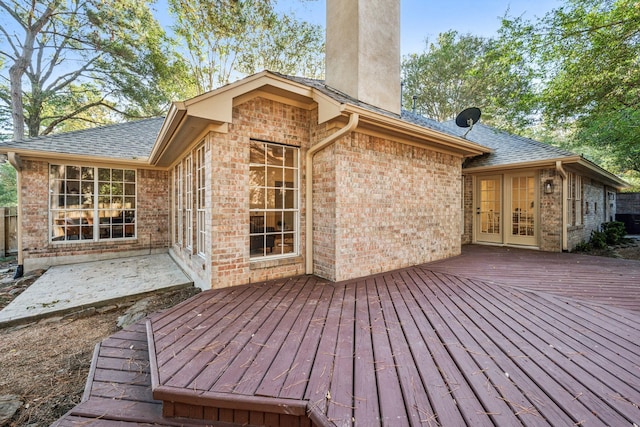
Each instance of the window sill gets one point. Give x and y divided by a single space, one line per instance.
257 264
89 241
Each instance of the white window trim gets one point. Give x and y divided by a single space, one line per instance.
178 180
296 211
188 198
201 201
96 209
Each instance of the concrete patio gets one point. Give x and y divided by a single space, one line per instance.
67 288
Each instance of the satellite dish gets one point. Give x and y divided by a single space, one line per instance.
467 118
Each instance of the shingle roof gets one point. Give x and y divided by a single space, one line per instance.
508 148
343 98
130 140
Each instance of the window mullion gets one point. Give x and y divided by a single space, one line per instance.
96 218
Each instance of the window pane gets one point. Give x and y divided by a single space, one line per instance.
104 188
87 188
291 157
87 233
257 153
73 201
275 155
73 187
274 175
116 189
257 198
130 176
104 174
289 221
73 172
117 175
56 172
105 232
274 198
257 176
117 231
289 199
130 189
87 174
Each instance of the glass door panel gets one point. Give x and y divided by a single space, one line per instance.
523 209
489 210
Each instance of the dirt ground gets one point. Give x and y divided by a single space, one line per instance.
46 363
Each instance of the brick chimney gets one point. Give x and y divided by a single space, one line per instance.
363 51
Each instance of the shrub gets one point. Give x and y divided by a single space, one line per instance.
598 240
614 232
582 247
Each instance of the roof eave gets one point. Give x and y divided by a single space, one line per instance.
602 174
70 157
437 138
173 120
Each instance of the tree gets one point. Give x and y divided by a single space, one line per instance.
8 185
227 38
461 71
84 62
587 54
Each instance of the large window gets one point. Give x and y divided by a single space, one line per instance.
574 199
90 203
188 202
274 199
179 213
201 213
190 192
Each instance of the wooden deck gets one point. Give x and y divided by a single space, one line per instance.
418 346
597 279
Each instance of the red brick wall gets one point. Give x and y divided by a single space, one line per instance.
550 212
229 262
467 235
396 205
152 221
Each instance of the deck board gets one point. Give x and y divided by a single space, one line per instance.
284 363
365 403
575 380
610 281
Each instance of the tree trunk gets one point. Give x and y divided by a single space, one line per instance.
17 109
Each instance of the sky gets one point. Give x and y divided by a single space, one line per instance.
422 19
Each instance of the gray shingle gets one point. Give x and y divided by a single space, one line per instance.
343 98
130 140
508 148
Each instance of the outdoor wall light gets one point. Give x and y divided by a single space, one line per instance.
548 187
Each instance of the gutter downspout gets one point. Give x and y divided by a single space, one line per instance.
16 162
563 175
350 126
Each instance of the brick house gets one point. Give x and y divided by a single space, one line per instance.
275 176
531 194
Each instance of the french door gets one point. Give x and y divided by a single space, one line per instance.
489 209
507 209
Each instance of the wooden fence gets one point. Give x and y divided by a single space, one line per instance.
8 231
